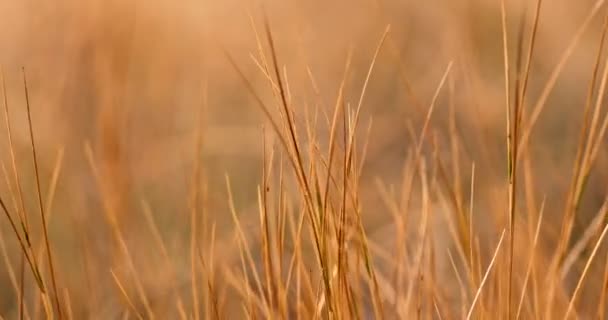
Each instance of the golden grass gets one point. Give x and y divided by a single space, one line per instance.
445 209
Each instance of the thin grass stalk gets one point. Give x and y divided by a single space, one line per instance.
581 279
485 277
41 208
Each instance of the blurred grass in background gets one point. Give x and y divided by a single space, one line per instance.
137 109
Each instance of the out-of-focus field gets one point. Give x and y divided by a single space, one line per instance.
152 150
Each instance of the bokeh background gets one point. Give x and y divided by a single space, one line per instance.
131 81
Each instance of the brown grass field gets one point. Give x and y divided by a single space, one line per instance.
363 159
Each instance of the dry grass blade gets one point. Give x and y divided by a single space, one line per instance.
526 73
245 247
577 249
583 163
19 190
160 243
20 210
332 131
369 73
57 168
582 146
587 265
485 277
512 126
119 238
24 240
49 253
23 246
299 166
11 275
125 296
531 260
541 103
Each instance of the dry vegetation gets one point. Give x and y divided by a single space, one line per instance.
304 159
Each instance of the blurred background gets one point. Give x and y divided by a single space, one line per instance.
118 90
